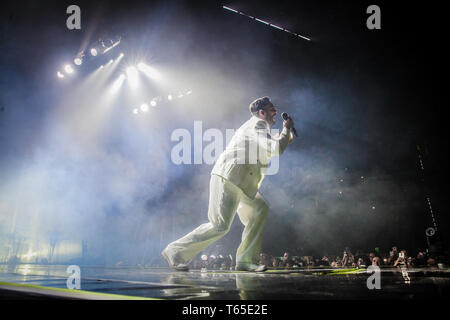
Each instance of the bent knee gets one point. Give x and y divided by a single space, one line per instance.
221 228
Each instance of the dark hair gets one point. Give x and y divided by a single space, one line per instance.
258 104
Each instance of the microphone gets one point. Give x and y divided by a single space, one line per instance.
286 117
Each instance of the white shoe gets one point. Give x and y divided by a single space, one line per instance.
251 267
175 266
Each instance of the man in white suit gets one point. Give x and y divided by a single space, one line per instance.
235 180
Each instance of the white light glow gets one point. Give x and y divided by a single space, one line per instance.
150 72
26 269
153 103
29 255
94 52
169 97
135 111
60 75
118 83
68 68
144 107
132 76
78 61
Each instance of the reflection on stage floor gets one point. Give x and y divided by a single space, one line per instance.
164 283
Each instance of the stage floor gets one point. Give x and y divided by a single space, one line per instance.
32 281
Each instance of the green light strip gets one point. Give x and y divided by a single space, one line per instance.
47 290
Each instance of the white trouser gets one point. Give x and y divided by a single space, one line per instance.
224 200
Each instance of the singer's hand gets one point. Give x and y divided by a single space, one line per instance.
288 123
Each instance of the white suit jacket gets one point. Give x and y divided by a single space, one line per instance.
246 157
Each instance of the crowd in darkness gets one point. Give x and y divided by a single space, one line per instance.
359 259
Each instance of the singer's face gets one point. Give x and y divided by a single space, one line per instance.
269 113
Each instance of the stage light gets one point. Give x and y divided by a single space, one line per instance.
118 83
68 68
169 97
265 22
144 107
78 61
230 9
60 75
112 45
132 76
189 92
79 58
262 21
103 46
135 111
373 207
153 103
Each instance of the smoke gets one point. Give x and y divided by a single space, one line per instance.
339 185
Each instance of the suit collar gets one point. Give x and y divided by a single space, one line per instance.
257 119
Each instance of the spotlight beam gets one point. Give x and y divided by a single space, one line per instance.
150 72
107 71
118 83
133 77
68 69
